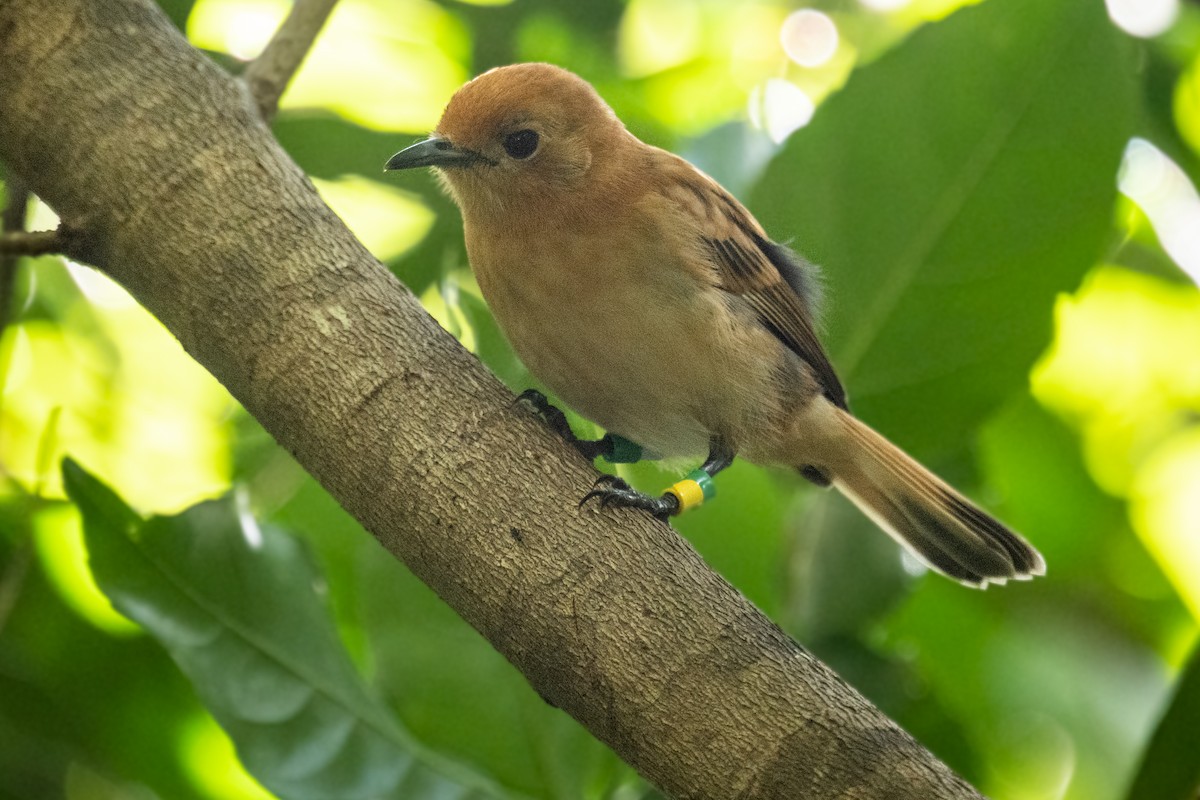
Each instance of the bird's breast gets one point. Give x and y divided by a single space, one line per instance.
622 334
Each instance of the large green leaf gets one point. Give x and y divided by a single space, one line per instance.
951 190
1170 768
237 607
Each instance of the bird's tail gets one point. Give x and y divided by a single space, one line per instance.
919 510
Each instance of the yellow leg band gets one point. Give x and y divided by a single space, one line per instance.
689 493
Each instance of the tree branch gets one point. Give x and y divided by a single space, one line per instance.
269 74
12 223
611 616
30 243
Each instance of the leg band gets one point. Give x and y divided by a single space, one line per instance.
693 490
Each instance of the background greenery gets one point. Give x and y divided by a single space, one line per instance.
994 304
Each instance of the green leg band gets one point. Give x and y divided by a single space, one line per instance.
622 451
706 482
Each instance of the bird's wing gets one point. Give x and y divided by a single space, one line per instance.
773 280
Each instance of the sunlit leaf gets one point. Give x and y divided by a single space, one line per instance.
385 218
237 607
951 190
1170 768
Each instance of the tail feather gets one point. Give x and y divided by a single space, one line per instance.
936 523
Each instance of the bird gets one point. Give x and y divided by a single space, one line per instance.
648 299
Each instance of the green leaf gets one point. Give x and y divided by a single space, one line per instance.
1170 768
238 609
951 190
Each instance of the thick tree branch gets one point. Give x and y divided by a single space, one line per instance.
269 74
611 616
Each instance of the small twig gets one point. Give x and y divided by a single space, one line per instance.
26 243
268 75
12 223
18 202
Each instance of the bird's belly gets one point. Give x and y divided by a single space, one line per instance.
638 357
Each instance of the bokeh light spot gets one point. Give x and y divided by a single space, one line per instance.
1035 759
1166 513
884 5
241 28
1144 18
809 37
99 289
1162 190
780 107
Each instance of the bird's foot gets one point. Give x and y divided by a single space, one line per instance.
615 492
557 420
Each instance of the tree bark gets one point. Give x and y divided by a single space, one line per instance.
163 165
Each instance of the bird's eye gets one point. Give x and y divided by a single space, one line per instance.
521 144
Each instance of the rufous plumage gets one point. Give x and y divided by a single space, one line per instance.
652 302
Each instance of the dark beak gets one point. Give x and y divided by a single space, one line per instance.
433 152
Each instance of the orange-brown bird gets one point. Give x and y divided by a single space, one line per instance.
650 300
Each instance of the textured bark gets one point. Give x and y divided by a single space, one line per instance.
163 164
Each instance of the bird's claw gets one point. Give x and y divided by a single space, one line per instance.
555 418
602 489
612 491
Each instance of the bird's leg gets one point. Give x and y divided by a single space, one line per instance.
590 449
720 456
688 493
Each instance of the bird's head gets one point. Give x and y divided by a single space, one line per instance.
517 138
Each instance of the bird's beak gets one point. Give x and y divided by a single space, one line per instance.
433 152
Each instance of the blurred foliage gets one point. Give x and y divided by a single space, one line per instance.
1163 774
992 303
